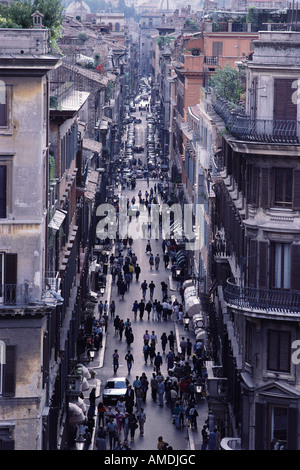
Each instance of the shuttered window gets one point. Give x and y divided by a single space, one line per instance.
283 187
281 265
295 263
284 108
296 190
3 184
9 372
217 48
279 349
263 264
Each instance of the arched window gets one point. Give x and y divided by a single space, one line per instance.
117 27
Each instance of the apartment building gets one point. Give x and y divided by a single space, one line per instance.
256 251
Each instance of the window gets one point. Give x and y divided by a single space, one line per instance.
279 348
8 278
283 187
5 185
281 265
284 107
278 427
7 373
5 108
217 48
3 197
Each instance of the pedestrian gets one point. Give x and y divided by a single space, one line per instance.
121 329
151 261
171 339
129 337
141 309
151 289
144 287
141 417
154 310
135 308
157 261
101 439
170 357
101 413
188 348
112 309
148 247
144 385
212 440
139 398
148 308
115 361
182 345
100 308
146 351
159 310
125 423
117 324
158 362
92 400
153 385
119 420
193 413
161 445
129 399
164 290
164 341
166 260
160 392
130 360
111 428
204 437
176 414
137 271
133 425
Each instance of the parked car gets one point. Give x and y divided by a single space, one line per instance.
138 148
114 389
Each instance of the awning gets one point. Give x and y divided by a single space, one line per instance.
92 145
192 302
91 184
76 414
57 219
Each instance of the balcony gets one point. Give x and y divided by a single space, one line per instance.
244 127
211 60
13 295
268 300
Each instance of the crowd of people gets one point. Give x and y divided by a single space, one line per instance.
186 373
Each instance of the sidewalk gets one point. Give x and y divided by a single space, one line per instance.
195 438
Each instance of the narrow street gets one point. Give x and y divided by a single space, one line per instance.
159 420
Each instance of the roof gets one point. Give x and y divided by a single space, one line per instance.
92 145
91 184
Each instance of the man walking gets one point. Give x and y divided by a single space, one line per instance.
144 287
129 359
115 361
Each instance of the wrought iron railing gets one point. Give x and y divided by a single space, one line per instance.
272 300
244 127
13 294
211 60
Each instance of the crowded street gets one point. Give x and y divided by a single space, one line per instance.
129 299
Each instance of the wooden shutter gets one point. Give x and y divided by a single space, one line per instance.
296 190
9 372
3 110
10 268
295 263
259 426
263 264
254 186
284 108
2 191
217 48
292 434
264 188
252 263
285 351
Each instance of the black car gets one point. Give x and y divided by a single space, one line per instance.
114 389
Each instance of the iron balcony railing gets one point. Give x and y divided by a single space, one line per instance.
209 60
271 300
244 127
13 294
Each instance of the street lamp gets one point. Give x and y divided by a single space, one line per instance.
92 352
102 290
186 321
79 442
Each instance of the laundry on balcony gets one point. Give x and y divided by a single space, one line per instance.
57 219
